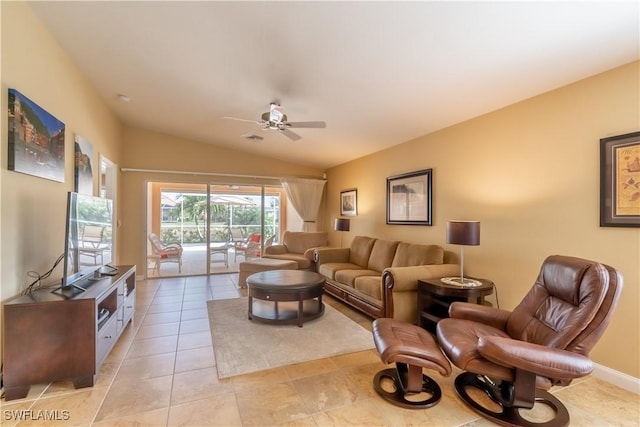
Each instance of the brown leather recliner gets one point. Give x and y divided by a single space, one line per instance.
514 357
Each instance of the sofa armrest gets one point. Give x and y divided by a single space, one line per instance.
275 250
400 279
325 255
311 252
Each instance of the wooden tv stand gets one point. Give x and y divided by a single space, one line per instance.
49 337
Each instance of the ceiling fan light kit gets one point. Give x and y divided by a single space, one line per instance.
275 119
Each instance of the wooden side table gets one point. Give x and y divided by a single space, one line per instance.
435 297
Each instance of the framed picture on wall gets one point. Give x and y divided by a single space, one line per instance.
620 181
409 198
36 139
83 171
349 202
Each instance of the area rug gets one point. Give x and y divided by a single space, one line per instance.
242 346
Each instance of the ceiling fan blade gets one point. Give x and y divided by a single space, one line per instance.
242 120
307 124
291 135
252 136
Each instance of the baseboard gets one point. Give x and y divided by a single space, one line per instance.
617 378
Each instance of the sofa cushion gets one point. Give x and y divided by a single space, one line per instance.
329 269
300 241
349 276
408 254
361 250
382 254
370 285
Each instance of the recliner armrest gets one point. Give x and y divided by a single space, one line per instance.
479 313
546 361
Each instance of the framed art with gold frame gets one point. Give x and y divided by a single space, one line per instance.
620 181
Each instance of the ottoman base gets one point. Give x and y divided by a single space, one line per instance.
412 349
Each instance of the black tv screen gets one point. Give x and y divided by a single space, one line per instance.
88 237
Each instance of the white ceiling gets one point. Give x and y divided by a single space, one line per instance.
378 73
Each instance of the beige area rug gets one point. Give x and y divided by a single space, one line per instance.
242 346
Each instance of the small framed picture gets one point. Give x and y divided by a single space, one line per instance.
349 202
409 198
620 181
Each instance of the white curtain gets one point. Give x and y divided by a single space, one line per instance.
305 195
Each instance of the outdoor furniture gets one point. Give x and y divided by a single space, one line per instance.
92 243
250 248
220 249
162 253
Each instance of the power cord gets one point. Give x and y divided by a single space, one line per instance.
38 278
495 291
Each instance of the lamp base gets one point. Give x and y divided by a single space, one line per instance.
458 281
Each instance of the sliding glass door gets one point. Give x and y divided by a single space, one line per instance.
215 226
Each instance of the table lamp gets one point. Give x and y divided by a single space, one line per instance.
463 233
342 224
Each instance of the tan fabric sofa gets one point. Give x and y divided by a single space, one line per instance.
380 277
298 246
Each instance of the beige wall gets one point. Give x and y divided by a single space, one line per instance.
530 174
33 209
151 150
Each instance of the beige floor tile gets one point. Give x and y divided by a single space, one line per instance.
194 305
273 405
197 358
194 325
139 368
70 409
327 391
157 330
164 308
198 384
133 398
152 346
14 411
221 410
309 369
262 380
200 313
155 318
194 340
358 358
361 413
154 418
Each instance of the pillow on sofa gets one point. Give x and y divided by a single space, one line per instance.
382 254
360 250
408 254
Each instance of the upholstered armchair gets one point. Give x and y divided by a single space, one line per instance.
514 357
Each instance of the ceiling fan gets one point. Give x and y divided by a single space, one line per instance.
275 119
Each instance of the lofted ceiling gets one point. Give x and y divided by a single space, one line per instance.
378 73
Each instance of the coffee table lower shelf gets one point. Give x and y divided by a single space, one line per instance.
285 312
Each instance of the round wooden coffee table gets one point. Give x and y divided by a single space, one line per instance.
299 291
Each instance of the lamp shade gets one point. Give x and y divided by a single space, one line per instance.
463 232
342 224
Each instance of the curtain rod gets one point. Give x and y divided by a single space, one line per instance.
207 173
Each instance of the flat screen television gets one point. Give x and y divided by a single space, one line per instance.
88 238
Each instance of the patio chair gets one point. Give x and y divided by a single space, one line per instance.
235 236
250 248
171 252
92 243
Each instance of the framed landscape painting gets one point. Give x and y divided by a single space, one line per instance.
620 181
36 139
409 198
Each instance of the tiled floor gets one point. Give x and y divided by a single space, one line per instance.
162 372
